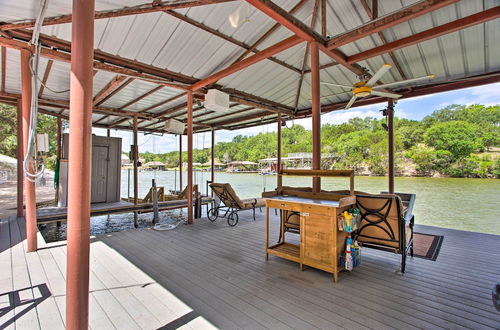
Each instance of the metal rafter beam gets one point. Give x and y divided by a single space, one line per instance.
135 10
266 53
289 21
62 104
264 37
59 50
373 14
384 22
137 99
257 99
45 77
432 33
64 56
221 124
323 18
221 35
341 59
374 11
109 89
302 31
117 90
306 53
268 120
159 104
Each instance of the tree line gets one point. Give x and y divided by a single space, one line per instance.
458 141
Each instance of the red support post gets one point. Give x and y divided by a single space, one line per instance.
212 176
136 160
190 155
80 143
390 124
28 185
20 153
278 165
180 163
316 114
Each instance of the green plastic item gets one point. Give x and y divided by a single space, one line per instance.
56 174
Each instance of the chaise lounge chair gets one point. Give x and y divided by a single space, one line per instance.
386 224
230 204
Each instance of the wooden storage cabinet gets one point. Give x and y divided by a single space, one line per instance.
321 244
106 170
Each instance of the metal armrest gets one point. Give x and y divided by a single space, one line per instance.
409 217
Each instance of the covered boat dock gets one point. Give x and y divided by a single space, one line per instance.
136 65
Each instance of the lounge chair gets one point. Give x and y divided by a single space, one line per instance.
230 204
182 195
386 225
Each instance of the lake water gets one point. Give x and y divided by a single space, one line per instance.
457 203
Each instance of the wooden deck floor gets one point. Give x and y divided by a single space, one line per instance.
210 274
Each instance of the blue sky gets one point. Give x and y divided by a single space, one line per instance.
415 108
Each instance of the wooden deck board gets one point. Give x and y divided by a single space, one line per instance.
210 274
7 318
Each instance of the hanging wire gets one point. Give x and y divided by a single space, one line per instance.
33 65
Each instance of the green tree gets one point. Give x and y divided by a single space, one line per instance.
8 121
458 137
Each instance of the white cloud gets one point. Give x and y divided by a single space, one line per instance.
485 95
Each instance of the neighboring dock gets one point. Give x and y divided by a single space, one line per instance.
214 275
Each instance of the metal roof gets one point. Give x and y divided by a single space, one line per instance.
166 42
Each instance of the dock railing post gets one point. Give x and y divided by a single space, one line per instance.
316 114
156 215
79 170
190 155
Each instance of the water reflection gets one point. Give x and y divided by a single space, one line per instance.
112 223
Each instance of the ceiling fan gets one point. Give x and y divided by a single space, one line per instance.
365 88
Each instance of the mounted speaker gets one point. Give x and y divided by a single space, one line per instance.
216 100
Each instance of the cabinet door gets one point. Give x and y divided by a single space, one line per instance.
99 174
317 240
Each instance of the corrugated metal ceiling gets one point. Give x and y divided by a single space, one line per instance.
167 42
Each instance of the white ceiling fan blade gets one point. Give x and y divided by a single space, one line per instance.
384 94
408 81
351 101
332 95
376 77
336 85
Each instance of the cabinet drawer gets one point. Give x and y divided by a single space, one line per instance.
284 205
320 210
